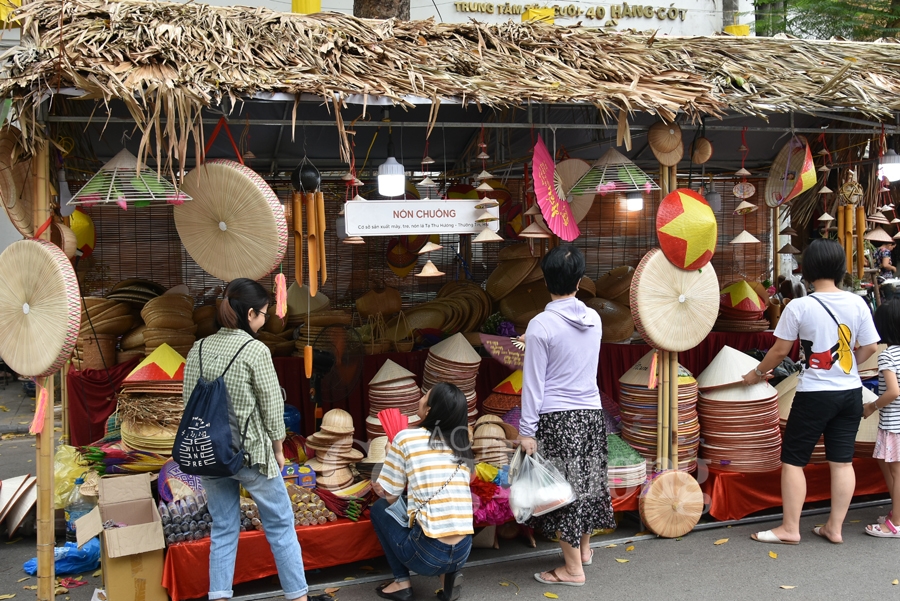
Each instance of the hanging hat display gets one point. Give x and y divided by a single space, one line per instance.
557 213
666 143
121 182
745 237
792 172
673 309
613 172
429 271
702 150
16 183
487 235
687 229
234 227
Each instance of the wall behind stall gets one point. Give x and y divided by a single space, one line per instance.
8 233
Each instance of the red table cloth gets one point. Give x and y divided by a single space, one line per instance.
734 496
186 571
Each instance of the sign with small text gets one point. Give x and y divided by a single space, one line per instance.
409 217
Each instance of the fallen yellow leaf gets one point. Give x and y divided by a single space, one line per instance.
643 533
23 579
721 541
61 590
32 587
14 541
509 583
551 595
629 549
773 554
787 586
855 521
609 546
97 573
10 596
895 581
4 408
367 569
349 578
332 590
79 577
621 560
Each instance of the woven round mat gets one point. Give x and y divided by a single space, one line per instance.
40 308
671 504
673 309
234 227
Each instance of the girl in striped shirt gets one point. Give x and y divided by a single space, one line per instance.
433 463
887 445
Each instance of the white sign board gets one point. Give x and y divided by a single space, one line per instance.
408 217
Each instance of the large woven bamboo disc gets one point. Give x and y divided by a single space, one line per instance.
673 309
40 307
671 504
16 184
234 227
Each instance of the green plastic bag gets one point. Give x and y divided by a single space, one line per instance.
67 466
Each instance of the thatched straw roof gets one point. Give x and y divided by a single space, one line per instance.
168 59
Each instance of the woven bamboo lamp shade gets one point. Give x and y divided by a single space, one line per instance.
234 227
40 308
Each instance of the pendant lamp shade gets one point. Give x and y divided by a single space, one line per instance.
890 165
391 178
118 182
614 172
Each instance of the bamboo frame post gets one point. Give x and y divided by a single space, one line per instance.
666 400
673 410
776 268
840 225
64 399
46 535
860 242
848 235
660 376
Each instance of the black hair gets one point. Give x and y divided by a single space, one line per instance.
887 321
824 259
241 295
563 268
448 421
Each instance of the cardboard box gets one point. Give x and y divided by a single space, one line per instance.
301 475
131 557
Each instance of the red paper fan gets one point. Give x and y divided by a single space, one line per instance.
556 211
393 422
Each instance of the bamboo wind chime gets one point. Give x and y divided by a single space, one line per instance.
851 218
314 205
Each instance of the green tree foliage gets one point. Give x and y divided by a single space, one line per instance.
823 19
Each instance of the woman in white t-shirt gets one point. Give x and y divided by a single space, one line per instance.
830 324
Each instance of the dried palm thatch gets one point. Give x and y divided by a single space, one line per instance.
167 60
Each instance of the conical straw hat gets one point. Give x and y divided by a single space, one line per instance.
486 217
639 373
664 137
487 235
507 275
673 309
788 249
745 237
390 372
728 367
741 392
618 324
16 184
702 150
745 207
533 210
456 349
429 271
301 303
534 231
786 390
511 385
868 427
234 227
878 235
429 247
40 308
515 251
671 504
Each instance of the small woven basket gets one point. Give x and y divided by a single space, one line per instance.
98 351
379 344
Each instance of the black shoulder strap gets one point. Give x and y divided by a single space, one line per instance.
243 346
824 306
200 357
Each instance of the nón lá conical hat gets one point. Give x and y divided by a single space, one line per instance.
877 234
741 392
868 427
457 350
163 364
429 270
511 385
745 237
728 367
872 362
300 302
487 235
639 373
786 390
391 372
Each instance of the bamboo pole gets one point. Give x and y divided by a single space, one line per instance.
297 221
848 235
46 535
860 242
660 377
673 178
673 404
64 395
776 268
840 225
664 388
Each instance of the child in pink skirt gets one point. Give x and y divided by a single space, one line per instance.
887 445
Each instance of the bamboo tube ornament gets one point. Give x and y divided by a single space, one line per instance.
840 225
848 235
860 242
320 232
312 243
297 219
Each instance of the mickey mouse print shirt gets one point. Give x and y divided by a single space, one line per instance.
829 325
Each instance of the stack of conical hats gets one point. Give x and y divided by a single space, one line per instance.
103 320
787 388
625 468
742 307
170 320
150 403
333 444
505 396
136 291
739 424
205 318
490 440
393 386
638 405
456 362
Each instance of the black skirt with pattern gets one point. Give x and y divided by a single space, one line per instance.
575 442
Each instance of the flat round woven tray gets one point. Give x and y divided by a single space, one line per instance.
40 308
673 309
671 504
234 227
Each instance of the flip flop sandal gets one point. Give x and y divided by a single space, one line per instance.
589 561
766 536
818 532
886 530
556 580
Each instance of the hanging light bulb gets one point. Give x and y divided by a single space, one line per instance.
391 175
634 201
890 165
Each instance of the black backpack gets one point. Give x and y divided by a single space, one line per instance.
209 442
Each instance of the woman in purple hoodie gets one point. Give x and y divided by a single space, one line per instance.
561 413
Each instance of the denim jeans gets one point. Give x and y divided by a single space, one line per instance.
409 549
277 518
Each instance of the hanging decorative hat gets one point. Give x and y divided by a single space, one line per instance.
85 234
673 309
40 308
16 183
745 208
744 190
487 235
234 227
118 182
687 229
878 235
665 142
429 271
702 150
534 231
745 237
613 172
792 172
788 249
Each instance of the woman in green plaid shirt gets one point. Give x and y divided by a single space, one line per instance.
255 395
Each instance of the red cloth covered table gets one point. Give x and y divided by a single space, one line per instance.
734 496
625 499
186 571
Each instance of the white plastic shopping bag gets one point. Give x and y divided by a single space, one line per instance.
536 487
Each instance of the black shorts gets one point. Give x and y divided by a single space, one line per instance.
834 413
